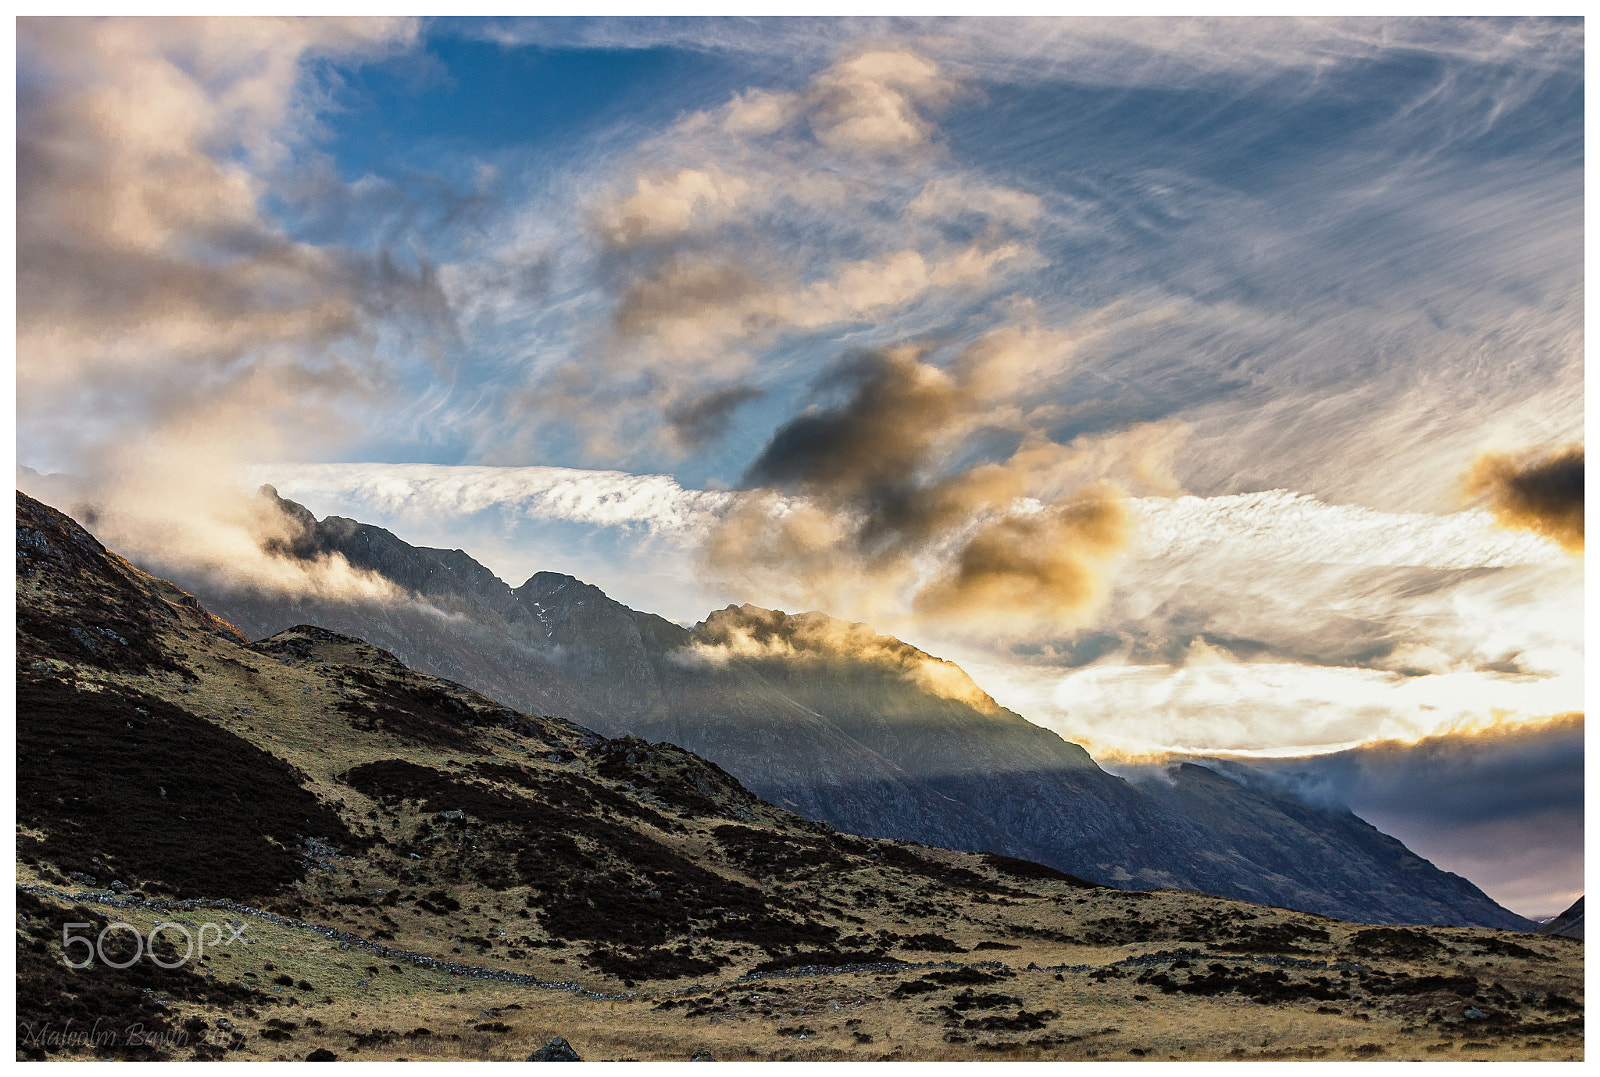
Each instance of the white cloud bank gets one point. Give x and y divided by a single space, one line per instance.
1275 525
1279 525
413 492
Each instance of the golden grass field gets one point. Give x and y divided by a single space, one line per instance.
359 1013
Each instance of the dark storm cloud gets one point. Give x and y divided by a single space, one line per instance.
896 408
1453 777
1503 807
706 418
1543 494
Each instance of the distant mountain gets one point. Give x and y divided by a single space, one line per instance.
1569 923
860 730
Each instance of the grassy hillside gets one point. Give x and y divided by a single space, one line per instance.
416 871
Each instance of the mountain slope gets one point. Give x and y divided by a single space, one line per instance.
863 731
414 870
1569 923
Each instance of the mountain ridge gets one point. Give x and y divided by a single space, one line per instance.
415 870
870 746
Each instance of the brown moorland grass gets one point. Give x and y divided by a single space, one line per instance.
330 785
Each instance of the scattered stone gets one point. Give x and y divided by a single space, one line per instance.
557 1050
1473 1014
701 1055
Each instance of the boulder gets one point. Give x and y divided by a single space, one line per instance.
557 1050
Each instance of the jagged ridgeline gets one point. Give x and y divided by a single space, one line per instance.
859 730
418 871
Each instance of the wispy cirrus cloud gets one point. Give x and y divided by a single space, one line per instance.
1326 256
848 171
1324 297
1114 50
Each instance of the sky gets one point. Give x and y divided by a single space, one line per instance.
1210 386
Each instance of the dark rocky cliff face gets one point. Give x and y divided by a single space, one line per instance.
859 730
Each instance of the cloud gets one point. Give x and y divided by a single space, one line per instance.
140 245
897 408
694 308
1256 621
1300 305
883 499
418 492
166 326
779 215
1532 492
799 641
951 197
1502 804
669 205
1285 578
1050 566
1107 50
1283 526
870 102
190 524
706 418
1219 703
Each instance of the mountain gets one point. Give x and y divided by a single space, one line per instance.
1568 923
863 731
382 864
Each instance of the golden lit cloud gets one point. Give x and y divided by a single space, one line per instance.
870 103
166 330
1051 566
139 245
1542 493
695 296
814 639
872 505
670 205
